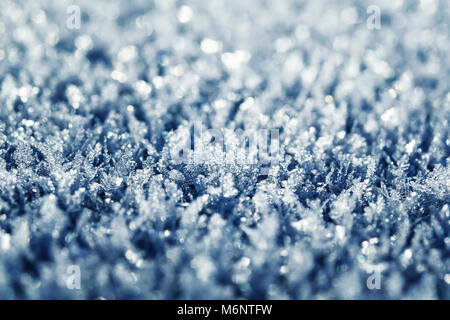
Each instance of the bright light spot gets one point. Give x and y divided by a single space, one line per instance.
235 59
410 146
210 46
5 242
127 54
83 42
119 76
158 82
143 88
185 14
341 134
131 256
389 115
28 123
24 93
447 278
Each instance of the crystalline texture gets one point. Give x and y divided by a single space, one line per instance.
102 165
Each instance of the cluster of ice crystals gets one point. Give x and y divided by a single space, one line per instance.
92 121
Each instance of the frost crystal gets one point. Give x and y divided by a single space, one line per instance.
224 149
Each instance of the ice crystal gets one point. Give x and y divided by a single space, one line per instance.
224 149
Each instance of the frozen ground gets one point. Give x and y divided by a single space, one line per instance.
90 118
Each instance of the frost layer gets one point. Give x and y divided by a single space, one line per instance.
89 119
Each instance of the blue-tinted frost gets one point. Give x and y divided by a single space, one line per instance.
91 118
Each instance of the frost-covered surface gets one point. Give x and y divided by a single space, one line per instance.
89 118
